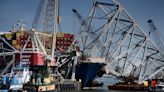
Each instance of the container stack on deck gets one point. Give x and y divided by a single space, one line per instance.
64 40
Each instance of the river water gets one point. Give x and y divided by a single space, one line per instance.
106 81
96 90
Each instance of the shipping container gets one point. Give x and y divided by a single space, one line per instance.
14 42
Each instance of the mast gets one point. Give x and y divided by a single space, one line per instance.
54 29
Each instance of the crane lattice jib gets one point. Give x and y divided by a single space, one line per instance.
156 35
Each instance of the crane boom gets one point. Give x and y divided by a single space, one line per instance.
37 14
156 35
88 29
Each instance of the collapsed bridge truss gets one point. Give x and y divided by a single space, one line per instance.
111 33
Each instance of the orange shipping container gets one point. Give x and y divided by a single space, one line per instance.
14 42
22 33
60 34
17 46
17 34
18 41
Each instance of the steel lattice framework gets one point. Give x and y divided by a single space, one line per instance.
111 33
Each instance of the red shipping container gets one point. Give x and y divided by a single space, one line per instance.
17 57
67 35
37 59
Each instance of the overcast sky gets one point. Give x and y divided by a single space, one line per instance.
140 10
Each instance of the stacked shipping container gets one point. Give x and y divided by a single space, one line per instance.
64 40
19 38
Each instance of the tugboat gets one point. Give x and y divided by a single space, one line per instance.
4 84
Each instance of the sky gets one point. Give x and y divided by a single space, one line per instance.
141 10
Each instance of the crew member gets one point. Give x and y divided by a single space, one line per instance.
153 84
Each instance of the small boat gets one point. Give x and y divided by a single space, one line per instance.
122 86
20 76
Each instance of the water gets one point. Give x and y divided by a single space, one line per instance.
89 90
101 90
106 81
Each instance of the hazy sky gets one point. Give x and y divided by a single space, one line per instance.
140 10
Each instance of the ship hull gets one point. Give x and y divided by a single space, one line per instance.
87 72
